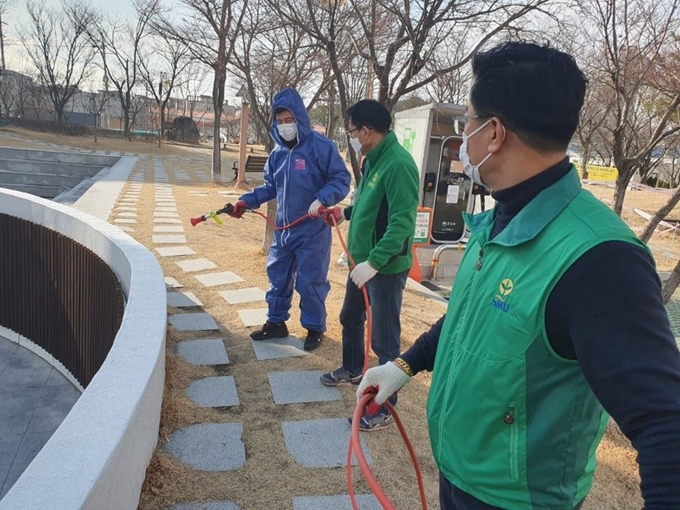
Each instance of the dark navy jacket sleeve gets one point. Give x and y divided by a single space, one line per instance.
607 312
420 356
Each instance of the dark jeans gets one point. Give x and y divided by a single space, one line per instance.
385 293
452 498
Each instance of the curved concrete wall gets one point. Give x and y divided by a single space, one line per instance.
97 458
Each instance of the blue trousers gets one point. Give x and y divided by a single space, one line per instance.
385 294
300 263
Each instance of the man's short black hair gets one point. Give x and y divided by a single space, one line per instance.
281 109
372 114
537 92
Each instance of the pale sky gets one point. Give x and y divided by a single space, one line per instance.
17 17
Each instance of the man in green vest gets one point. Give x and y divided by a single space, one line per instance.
555 319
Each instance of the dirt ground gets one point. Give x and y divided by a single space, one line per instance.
270 478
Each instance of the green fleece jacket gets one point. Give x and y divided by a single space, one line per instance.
383 216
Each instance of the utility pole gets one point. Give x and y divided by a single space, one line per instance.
2 43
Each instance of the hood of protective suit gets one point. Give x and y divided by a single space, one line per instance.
291 101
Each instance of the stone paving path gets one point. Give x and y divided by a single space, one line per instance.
34 400
311 444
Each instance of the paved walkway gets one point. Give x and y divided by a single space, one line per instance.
34 399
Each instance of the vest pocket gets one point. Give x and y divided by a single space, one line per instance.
510 419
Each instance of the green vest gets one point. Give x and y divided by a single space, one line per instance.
511 422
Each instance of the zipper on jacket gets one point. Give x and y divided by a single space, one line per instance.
510 420
286 180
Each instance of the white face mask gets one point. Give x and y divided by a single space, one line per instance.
356 145
472 171
288 131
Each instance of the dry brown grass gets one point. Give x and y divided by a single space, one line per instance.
270 478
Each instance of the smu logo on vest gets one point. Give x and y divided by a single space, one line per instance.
504 290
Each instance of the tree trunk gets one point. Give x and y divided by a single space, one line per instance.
218 101
584 161
127 130
672 284
162 122
620 190
243 143
660 215
330 133
269 229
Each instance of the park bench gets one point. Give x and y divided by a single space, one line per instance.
253 164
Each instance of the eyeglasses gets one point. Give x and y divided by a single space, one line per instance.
460 121
350 131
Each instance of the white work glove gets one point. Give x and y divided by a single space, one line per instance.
362 273
314 208
387 378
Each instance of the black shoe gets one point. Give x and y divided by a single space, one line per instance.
270 330
313 340
340 376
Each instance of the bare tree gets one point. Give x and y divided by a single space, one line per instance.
397 38
270 55
119 44
450 87
94 104
5 6
597 107
170 59
209 31
16 90
58 46
230 128
192 84
636 38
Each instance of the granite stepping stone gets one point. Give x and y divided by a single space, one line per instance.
168 239
171 282
189 266
127 214
234 297
278 348
253 316
126 208
126 229
125 220
320 443
162 228
165 214
214 392
167 220
183 300
209 446
215 279
364 502
294 387
199 321
175 251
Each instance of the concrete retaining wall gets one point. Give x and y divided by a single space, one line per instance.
97 458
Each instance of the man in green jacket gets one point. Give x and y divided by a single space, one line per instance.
555 319
380 237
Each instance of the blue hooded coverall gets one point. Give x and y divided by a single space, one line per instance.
312 169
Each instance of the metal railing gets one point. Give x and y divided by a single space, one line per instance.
58 294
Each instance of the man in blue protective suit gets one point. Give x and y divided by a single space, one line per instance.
305 173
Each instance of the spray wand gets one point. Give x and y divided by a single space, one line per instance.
227 209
